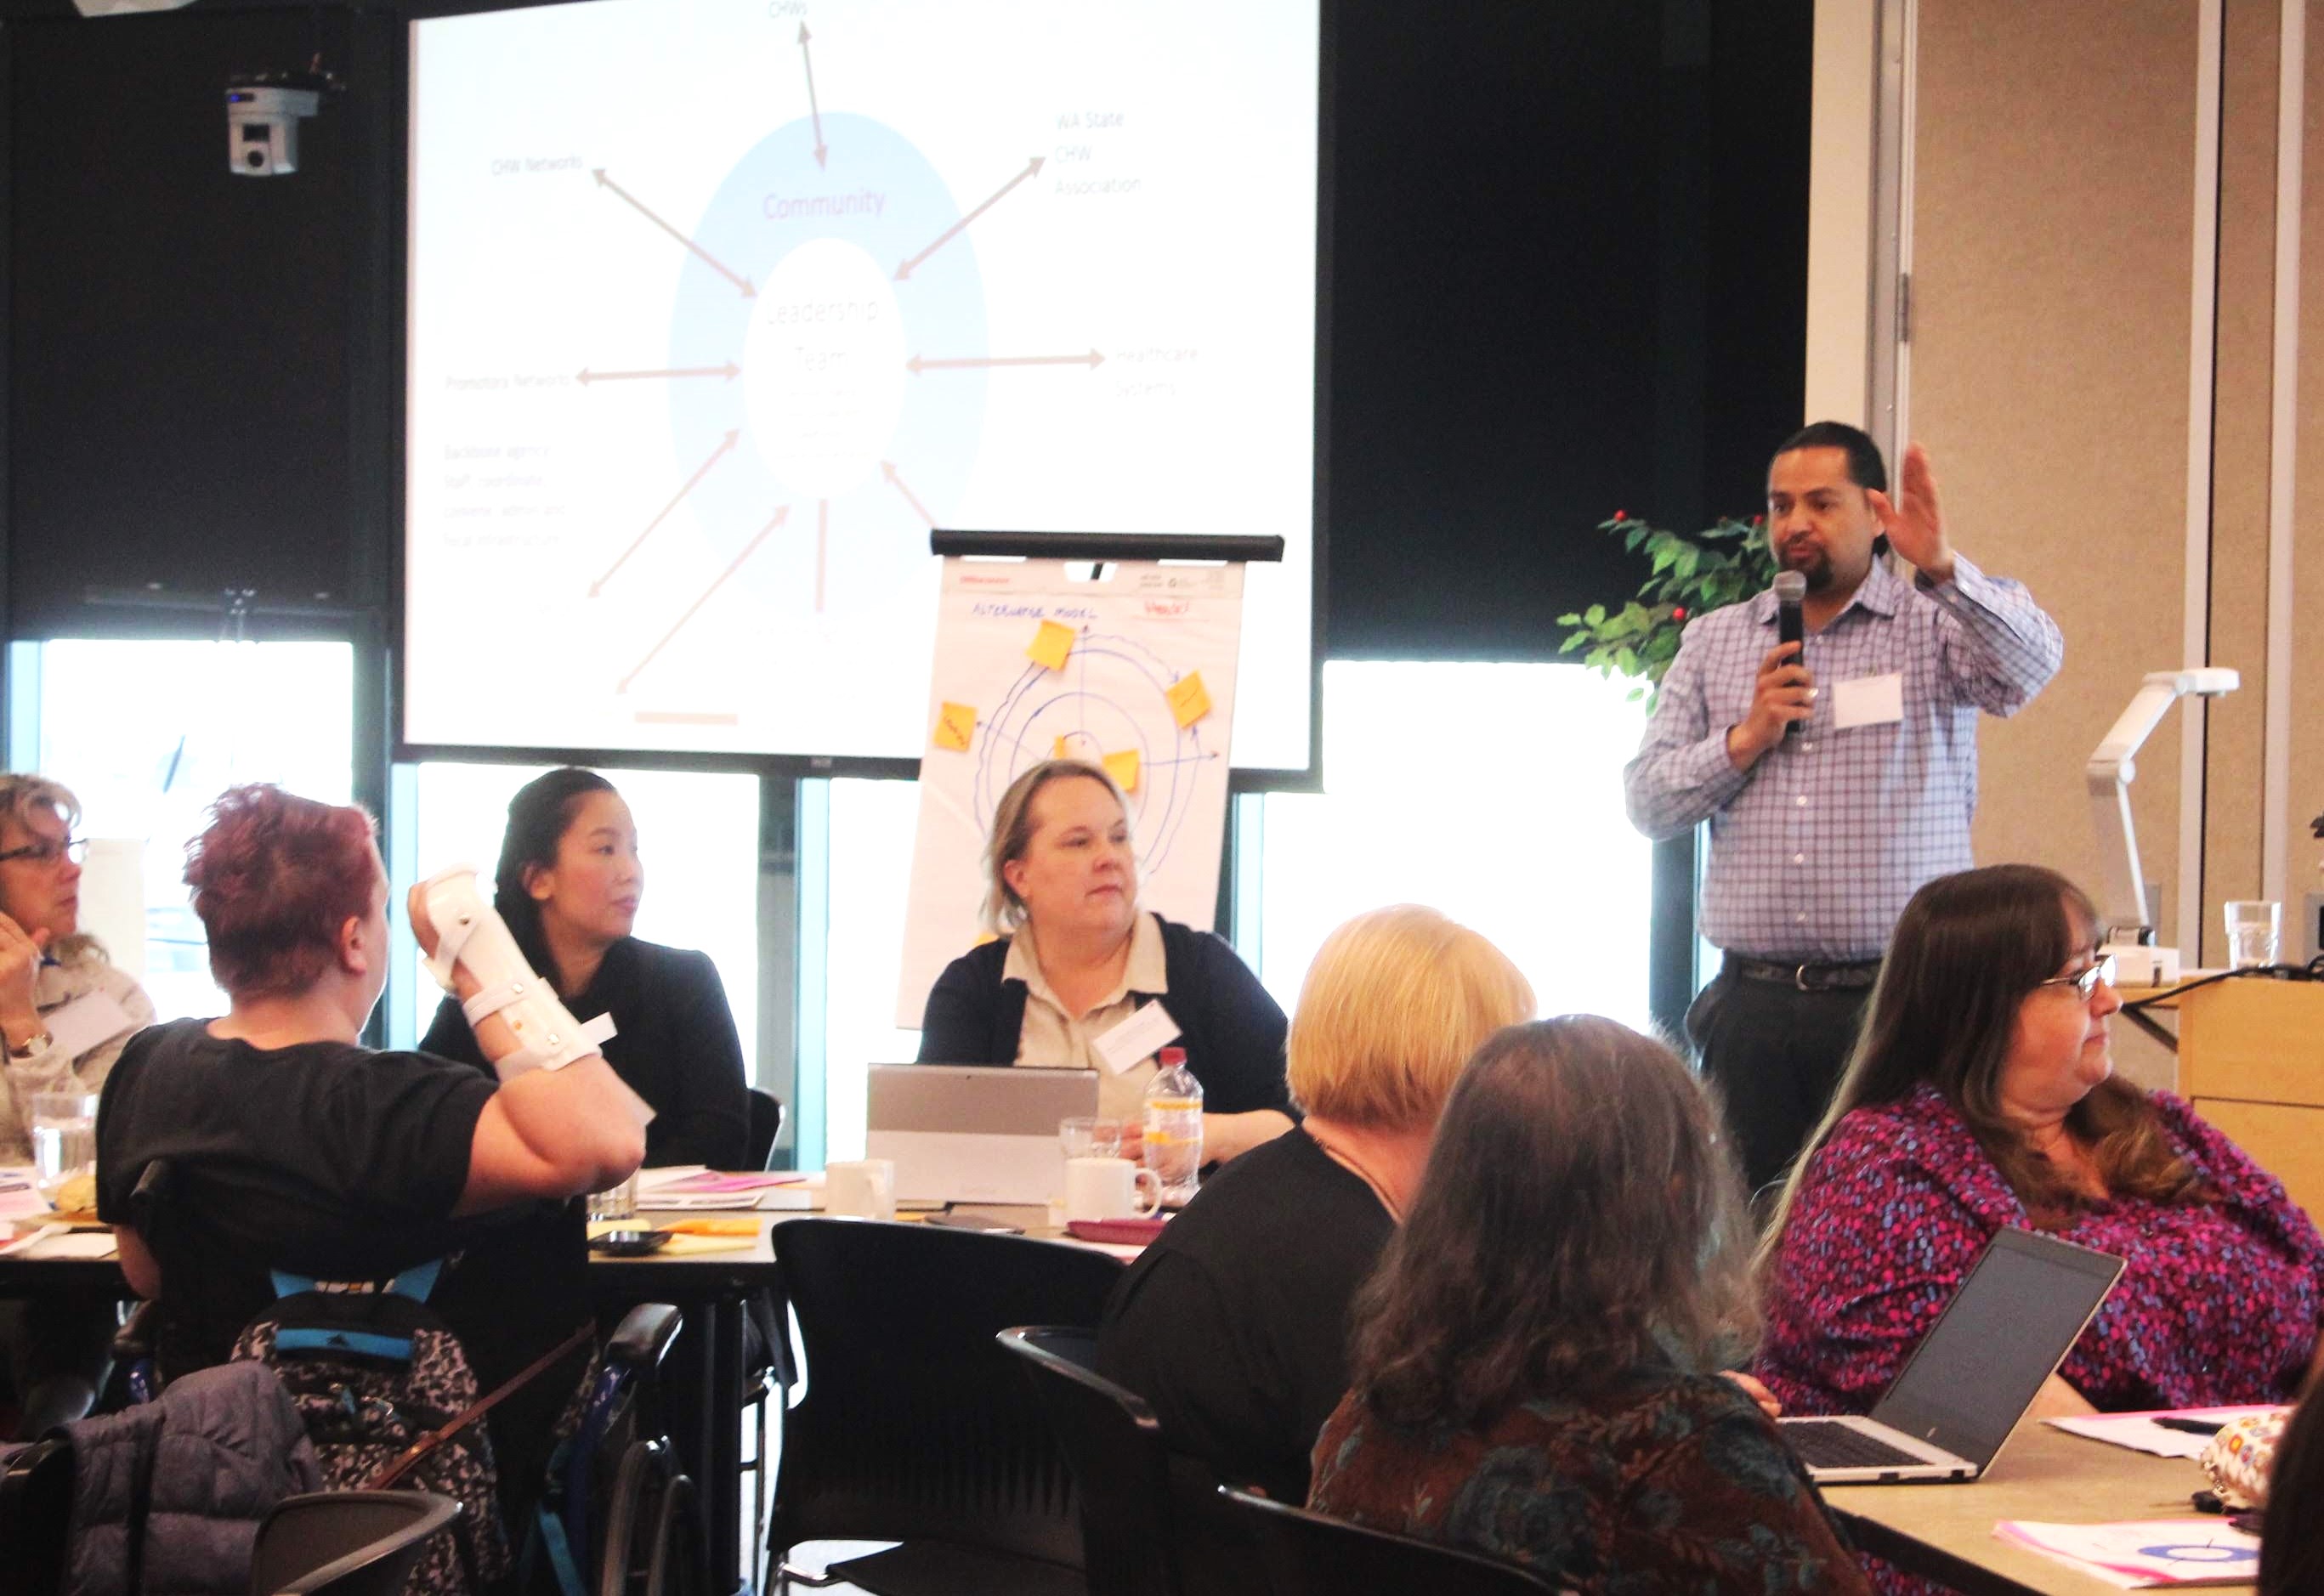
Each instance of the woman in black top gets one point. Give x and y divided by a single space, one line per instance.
1074 958
1234 1324
568 883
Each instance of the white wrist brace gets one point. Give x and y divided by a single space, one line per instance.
470 931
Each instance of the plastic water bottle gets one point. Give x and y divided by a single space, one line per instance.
1173 1129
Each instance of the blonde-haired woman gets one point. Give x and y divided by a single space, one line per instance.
64 1010
1073 956
1234 1324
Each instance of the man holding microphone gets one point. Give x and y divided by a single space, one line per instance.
1839 773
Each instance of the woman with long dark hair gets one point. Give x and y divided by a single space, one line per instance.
1983 1097
1535 1363
568 883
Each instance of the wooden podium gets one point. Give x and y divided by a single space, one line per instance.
2251 1059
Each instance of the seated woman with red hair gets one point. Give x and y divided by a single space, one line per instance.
293 1147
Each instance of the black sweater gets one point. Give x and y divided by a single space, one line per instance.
675 1047
1231 1028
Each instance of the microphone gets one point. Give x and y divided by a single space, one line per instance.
1790 588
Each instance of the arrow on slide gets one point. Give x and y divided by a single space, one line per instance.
919 363
888 470
808 62
1032 168
749 550
742 282
716 456
730 371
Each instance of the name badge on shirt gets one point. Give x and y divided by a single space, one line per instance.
1868 701
90 1018
1137 1038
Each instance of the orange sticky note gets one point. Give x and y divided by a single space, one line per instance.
955 725
1123 768
1188 702
1057 750
1050 645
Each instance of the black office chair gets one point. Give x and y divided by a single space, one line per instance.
765 1125
914 1426
346 1542
36 1493
1113 1444
1310 1554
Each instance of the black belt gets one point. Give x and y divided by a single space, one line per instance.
1855 977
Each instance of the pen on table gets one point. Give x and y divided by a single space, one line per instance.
2188 1426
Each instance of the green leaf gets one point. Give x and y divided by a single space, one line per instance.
1569 620
1595 615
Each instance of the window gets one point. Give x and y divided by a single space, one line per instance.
1491 792
147 734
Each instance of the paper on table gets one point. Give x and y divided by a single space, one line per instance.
78 1244
2139 1432
711 1180
32 1238
19 1200
2143 1555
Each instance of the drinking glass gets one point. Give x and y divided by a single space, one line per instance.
64 1137
2254 926
1090 1136
619 1202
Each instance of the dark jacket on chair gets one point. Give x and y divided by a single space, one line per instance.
168 1497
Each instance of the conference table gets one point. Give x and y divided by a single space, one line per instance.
1945 1532
705 1380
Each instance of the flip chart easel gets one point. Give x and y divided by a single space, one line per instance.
1107 648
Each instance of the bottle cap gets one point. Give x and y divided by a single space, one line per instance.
1174 1059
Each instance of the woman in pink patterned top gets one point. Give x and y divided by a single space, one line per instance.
1982 1096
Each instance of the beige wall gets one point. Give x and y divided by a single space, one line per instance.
2053 224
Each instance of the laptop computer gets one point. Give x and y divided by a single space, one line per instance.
1974 1375
973 1134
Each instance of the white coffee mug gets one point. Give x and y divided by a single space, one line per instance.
1110 1188
864 1187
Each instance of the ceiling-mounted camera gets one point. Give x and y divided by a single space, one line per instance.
263 113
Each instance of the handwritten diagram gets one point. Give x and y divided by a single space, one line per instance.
1135 673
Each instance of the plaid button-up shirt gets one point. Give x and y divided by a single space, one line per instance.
1815 848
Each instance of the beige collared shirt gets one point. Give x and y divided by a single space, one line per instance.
1052 1038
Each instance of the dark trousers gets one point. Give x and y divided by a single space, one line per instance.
1774 1052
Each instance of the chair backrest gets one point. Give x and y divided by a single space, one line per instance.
1309 1555
1113 1444
914 1424
766 1124
36 1495
346 1542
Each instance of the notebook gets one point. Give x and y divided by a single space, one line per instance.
1974 1375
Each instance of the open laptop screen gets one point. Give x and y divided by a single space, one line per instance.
2008 1327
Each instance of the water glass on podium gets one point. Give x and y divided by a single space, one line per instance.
2254 928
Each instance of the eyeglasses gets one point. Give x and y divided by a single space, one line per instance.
47 851
2085 984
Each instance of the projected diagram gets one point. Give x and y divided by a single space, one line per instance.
838 399
722 307
1136 675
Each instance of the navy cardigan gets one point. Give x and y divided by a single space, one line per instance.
1231 1028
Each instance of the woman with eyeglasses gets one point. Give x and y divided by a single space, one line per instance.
1982 1096
64 1010
65 1013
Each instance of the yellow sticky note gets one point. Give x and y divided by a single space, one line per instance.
1050 645
1057 750
1188 702
1123 768
955 725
